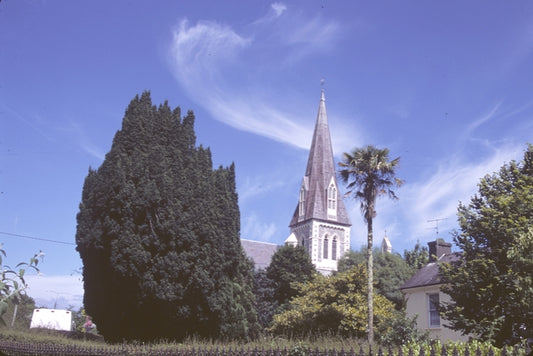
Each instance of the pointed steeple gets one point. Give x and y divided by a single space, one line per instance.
319 197
320 222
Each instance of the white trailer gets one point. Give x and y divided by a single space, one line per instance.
54 319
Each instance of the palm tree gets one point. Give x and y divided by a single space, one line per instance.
369 174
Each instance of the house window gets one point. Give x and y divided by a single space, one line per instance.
325 256
302 202
433 306
334 248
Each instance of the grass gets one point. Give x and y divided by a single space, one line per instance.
43 336
296 346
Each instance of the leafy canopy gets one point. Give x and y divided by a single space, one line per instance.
390 269
492 285
416 258
332 304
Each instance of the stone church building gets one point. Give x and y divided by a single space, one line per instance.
320 221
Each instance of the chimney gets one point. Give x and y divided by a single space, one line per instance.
438 248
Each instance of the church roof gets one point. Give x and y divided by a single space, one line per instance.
319 173
260 252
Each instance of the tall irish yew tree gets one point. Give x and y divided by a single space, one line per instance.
158 234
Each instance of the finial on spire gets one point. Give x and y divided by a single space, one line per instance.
322 85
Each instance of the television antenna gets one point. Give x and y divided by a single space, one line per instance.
436 221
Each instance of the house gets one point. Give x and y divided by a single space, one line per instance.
423 294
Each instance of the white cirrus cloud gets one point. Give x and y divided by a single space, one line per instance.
254 229
414 216
453 182
278 8
215 66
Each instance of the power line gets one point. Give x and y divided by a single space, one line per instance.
36 238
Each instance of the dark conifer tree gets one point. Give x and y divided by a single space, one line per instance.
289 265
158 234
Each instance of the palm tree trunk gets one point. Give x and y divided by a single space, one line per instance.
370 285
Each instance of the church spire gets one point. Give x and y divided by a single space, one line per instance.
320 222
320 175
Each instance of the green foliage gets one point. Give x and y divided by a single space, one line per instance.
42 340
401 330
351 259
416 258
158 235
289 266
459 348
491 285
13 285
334 304
390 272
22 312
265 305
369 174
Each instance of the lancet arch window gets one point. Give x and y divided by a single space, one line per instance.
334 248
332 197
325 248
301 205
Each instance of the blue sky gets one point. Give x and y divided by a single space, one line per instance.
447 86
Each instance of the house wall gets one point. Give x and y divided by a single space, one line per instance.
418 304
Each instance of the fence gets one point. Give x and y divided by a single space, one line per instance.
9 347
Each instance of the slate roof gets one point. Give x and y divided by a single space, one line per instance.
320 170
260 252
429 274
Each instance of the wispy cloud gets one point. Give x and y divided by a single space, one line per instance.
484 118
254 229
438 197
35 121
208 60
278 8
252 188
77 134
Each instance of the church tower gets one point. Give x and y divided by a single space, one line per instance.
320 222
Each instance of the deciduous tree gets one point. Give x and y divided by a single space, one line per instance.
390 269
491 286
416 258
334 304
